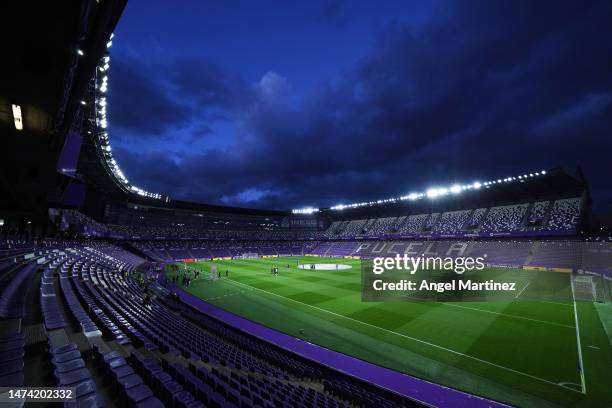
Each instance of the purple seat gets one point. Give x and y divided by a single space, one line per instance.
169 389
138 393
159 378
116 363
11 337
64 357
84 388
122 371
12 380
70 366
11 366
72 377
181 399
129 381
64 348
151 402
12 354
216 400
204 392
12 344
111 355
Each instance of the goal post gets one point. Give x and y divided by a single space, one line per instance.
214 272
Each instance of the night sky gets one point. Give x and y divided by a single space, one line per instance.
274 104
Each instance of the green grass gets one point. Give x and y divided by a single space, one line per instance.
523 352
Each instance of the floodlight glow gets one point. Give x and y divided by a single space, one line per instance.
307 210
432 193
441 191
17 118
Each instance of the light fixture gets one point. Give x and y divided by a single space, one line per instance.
17 118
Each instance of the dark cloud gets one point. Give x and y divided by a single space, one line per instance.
140 105
207 84
484 89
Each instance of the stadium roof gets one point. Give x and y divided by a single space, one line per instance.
546 185
47 61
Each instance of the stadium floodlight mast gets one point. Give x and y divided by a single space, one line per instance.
437 192
102 121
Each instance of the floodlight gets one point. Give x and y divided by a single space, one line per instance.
456 189
17 118
81 53
477 185
543 171
433 193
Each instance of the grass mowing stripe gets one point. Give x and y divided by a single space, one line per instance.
510 316
582 373
412 338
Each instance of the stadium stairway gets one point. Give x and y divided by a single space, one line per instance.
532 251
133 249
526 216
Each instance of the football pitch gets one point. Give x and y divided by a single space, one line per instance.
525 353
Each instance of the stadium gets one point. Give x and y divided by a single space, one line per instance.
115 295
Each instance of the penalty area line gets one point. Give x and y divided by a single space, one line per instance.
522 290
510 315
411 338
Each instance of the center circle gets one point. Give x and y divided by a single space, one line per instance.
325 266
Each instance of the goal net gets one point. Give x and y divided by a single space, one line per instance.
584 287
250 255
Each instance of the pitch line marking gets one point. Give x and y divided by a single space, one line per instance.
582 376
522 290
556 303
411 338
511 316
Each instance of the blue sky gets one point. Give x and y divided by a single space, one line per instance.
287 104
